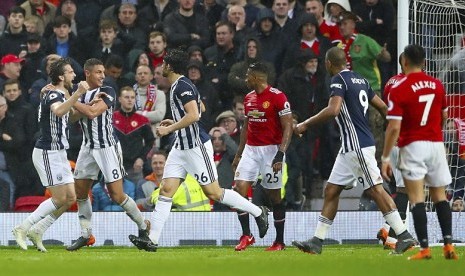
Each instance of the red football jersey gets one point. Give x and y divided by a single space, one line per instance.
331 31
418 100
389 84
263 111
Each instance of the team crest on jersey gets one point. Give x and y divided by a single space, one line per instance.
134 123
59 177
357 48
266 104
255 114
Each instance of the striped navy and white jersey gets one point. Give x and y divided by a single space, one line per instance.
183 91
353 117
99 133
53 129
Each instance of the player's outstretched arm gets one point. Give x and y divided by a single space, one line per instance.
328 113
379 104
191 116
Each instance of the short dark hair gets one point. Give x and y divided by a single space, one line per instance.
114 61
177 59
10 82
415 54
159 152
17 9
90 63
228 24
57 69
61 20
259 67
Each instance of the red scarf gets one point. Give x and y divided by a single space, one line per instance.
151 97
345 45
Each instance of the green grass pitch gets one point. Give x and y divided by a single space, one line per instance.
335 260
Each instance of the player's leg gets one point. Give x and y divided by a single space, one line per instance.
246 239
110 162
342 175
49 170
438 177
64 196
279 216
85 173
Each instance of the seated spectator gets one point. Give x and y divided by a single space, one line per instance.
109 44
150 101
10 69
101 198
13 40
152 181
46 11
224 149
186 26
34 25
152 15
157 47
63 42
129 28
135 59
113 74
134 133
228 121
33 59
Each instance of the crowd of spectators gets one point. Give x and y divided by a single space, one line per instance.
222 38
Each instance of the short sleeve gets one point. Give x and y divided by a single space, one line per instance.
394 104
338 86
185 93
282 104
111 98
53 97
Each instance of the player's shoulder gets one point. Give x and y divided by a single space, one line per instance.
54 94
275 91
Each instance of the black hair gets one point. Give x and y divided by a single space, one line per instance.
57 69
17 9
177 59
61 20
259 67
114 61
90 63
415 54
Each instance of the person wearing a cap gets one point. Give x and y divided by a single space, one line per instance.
10 68
227 120
14 37
33 60
362 53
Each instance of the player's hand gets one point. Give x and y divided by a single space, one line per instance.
83 86
235 162
98 98
300 128
162 131
277 162
166 122
46 88
386 170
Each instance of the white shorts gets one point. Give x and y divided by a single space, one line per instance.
257 160
108 160
197 162
425 159
396 173
357 166
52 166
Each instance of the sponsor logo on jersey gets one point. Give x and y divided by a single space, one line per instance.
255 114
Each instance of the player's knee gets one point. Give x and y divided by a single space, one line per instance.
241 188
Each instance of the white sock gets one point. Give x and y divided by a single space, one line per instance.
45 208
236 201
85 216
159 216
394 220
130 206
391 240
44 224
322 227
386 226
